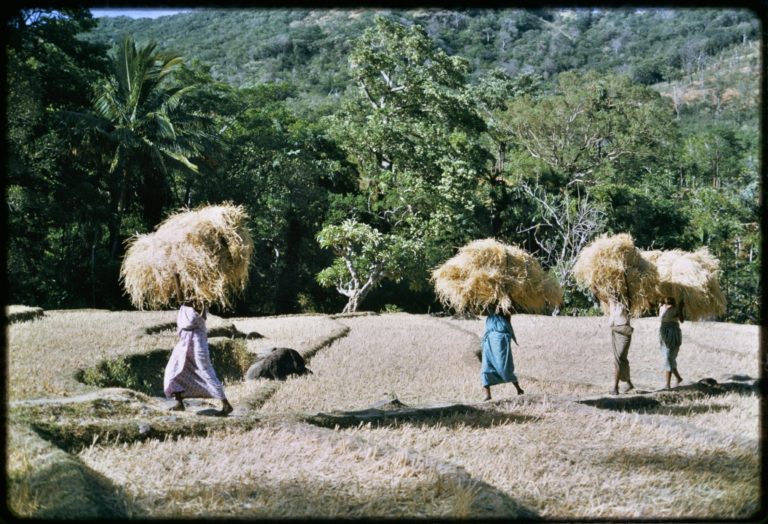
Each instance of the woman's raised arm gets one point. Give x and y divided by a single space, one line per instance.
177 281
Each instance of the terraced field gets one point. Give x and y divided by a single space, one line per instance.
389 424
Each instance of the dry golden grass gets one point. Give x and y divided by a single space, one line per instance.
722 337
566 463
44 355
564 354
613 268
18 313
691 279
487 274
304 333
300 332
23 496
733 415
410 357
278 471
540 454
210 248
46 482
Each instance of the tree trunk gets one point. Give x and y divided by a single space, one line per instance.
502 157
358 295
288 279
93 270
117 221
188 193
352 303
499 197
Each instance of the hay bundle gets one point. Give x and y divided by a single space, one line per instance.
489 275
210 247
691 279
612 267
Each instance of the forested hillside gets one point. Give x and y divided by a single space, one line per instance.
308 47
367 145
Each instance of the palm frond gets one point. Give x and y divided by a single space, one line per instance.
140 111
116 160
175 95
164 125
183 160
125 136
157 156
82 121
107 105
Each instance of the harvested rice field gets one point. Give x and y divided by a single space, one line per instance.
389 424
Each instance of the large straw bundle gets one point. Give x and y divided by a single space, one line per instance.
612 267
210 247
691 279
489 275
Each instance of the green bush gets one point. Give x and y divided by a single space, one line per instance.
391 308
117 372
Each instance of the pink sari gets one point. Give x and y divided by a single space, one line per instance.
189 370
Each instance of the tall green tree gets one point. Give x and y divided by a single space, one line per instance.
282 169
412 134
595 128
585 157
492 95
54 206
718 179
364 258
140 111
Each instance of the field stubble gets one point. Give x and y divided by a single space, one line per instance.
540 454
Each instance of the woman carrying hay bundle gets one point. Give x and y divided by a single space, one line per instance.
690 285
625 284
489 277
670 338
497 363
195 257
189 372
621 337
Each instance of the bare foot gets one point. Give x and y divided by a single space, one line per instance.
520 391
678 381
614 391
179 406
629 388
487 397
226 409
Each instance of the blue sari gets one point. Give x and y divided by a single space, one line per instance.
498 366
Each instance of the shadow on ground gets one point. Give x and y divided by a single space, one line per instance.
74 436
62 487
730 467
662 401
448 496
132 417
393 413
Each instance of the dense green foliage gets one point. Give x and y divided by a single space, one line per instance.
56 210
308 47
367 148
364 258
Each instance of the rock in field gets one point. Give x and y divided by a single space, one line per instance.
278 365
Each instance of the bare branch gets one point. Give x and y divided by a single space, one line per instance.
564 229
368 95
390 84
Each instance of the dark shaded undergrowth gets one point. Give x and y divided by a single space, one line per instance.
144 372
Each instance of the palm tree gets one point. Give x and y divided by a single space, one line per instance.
151 134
